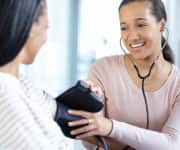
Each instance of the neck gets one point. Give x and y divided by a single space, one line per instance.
11 68
144 64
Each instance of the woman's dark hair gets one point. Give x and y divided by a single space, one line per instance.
16 20
157 10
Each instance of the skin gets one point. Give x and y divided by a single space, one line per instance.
138 27
28 53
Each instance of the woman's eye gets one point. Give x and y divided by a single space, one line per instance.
141 25
123 28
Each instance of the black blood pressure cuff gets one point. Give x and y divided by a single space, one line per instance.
62 118
78 97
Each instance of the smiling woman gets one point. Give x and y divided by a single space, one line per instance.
140 33
141 89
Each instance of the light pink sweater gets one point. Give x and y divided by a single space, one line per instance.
125 105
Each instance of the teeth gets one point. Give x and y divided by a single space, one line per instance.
137 45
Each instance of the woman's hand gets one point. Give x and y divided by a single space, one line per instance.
95 88
94 124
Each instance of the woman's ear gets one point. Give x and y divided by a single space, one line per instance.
32 32
162 25
34 29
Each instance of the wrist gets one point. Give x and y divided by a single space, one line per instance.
110 127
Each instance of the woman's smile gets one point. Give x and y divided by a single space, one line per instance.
137 47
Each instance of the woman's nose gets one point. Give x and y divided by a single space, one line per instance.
133 35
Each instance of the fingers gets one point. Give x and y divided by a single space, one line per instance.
79 122
88 129
88 134
95 88
90 83
98 91
93 124
84 129
79 113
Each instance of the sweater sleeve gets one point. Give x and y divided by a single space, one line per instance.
19 128
41 96
26 124
140 139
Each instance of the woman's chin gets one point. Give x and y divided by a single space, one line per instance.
138 55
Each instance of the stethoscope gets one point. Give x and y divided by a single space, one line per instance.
143 78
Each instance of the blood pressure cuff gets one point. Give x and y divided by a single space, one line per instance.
78 97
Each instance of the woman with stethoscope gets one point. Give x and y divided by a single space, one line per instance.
141 89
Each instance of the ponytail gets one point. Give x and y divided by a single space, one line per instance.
167 52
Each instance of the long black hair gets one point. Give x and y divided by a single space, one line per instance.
158 10
16 20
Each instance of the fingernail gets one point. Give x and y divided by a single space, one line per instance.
70 111
77 137
72 132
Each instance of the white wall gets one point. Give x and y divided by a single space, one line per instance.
173 27
50 69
